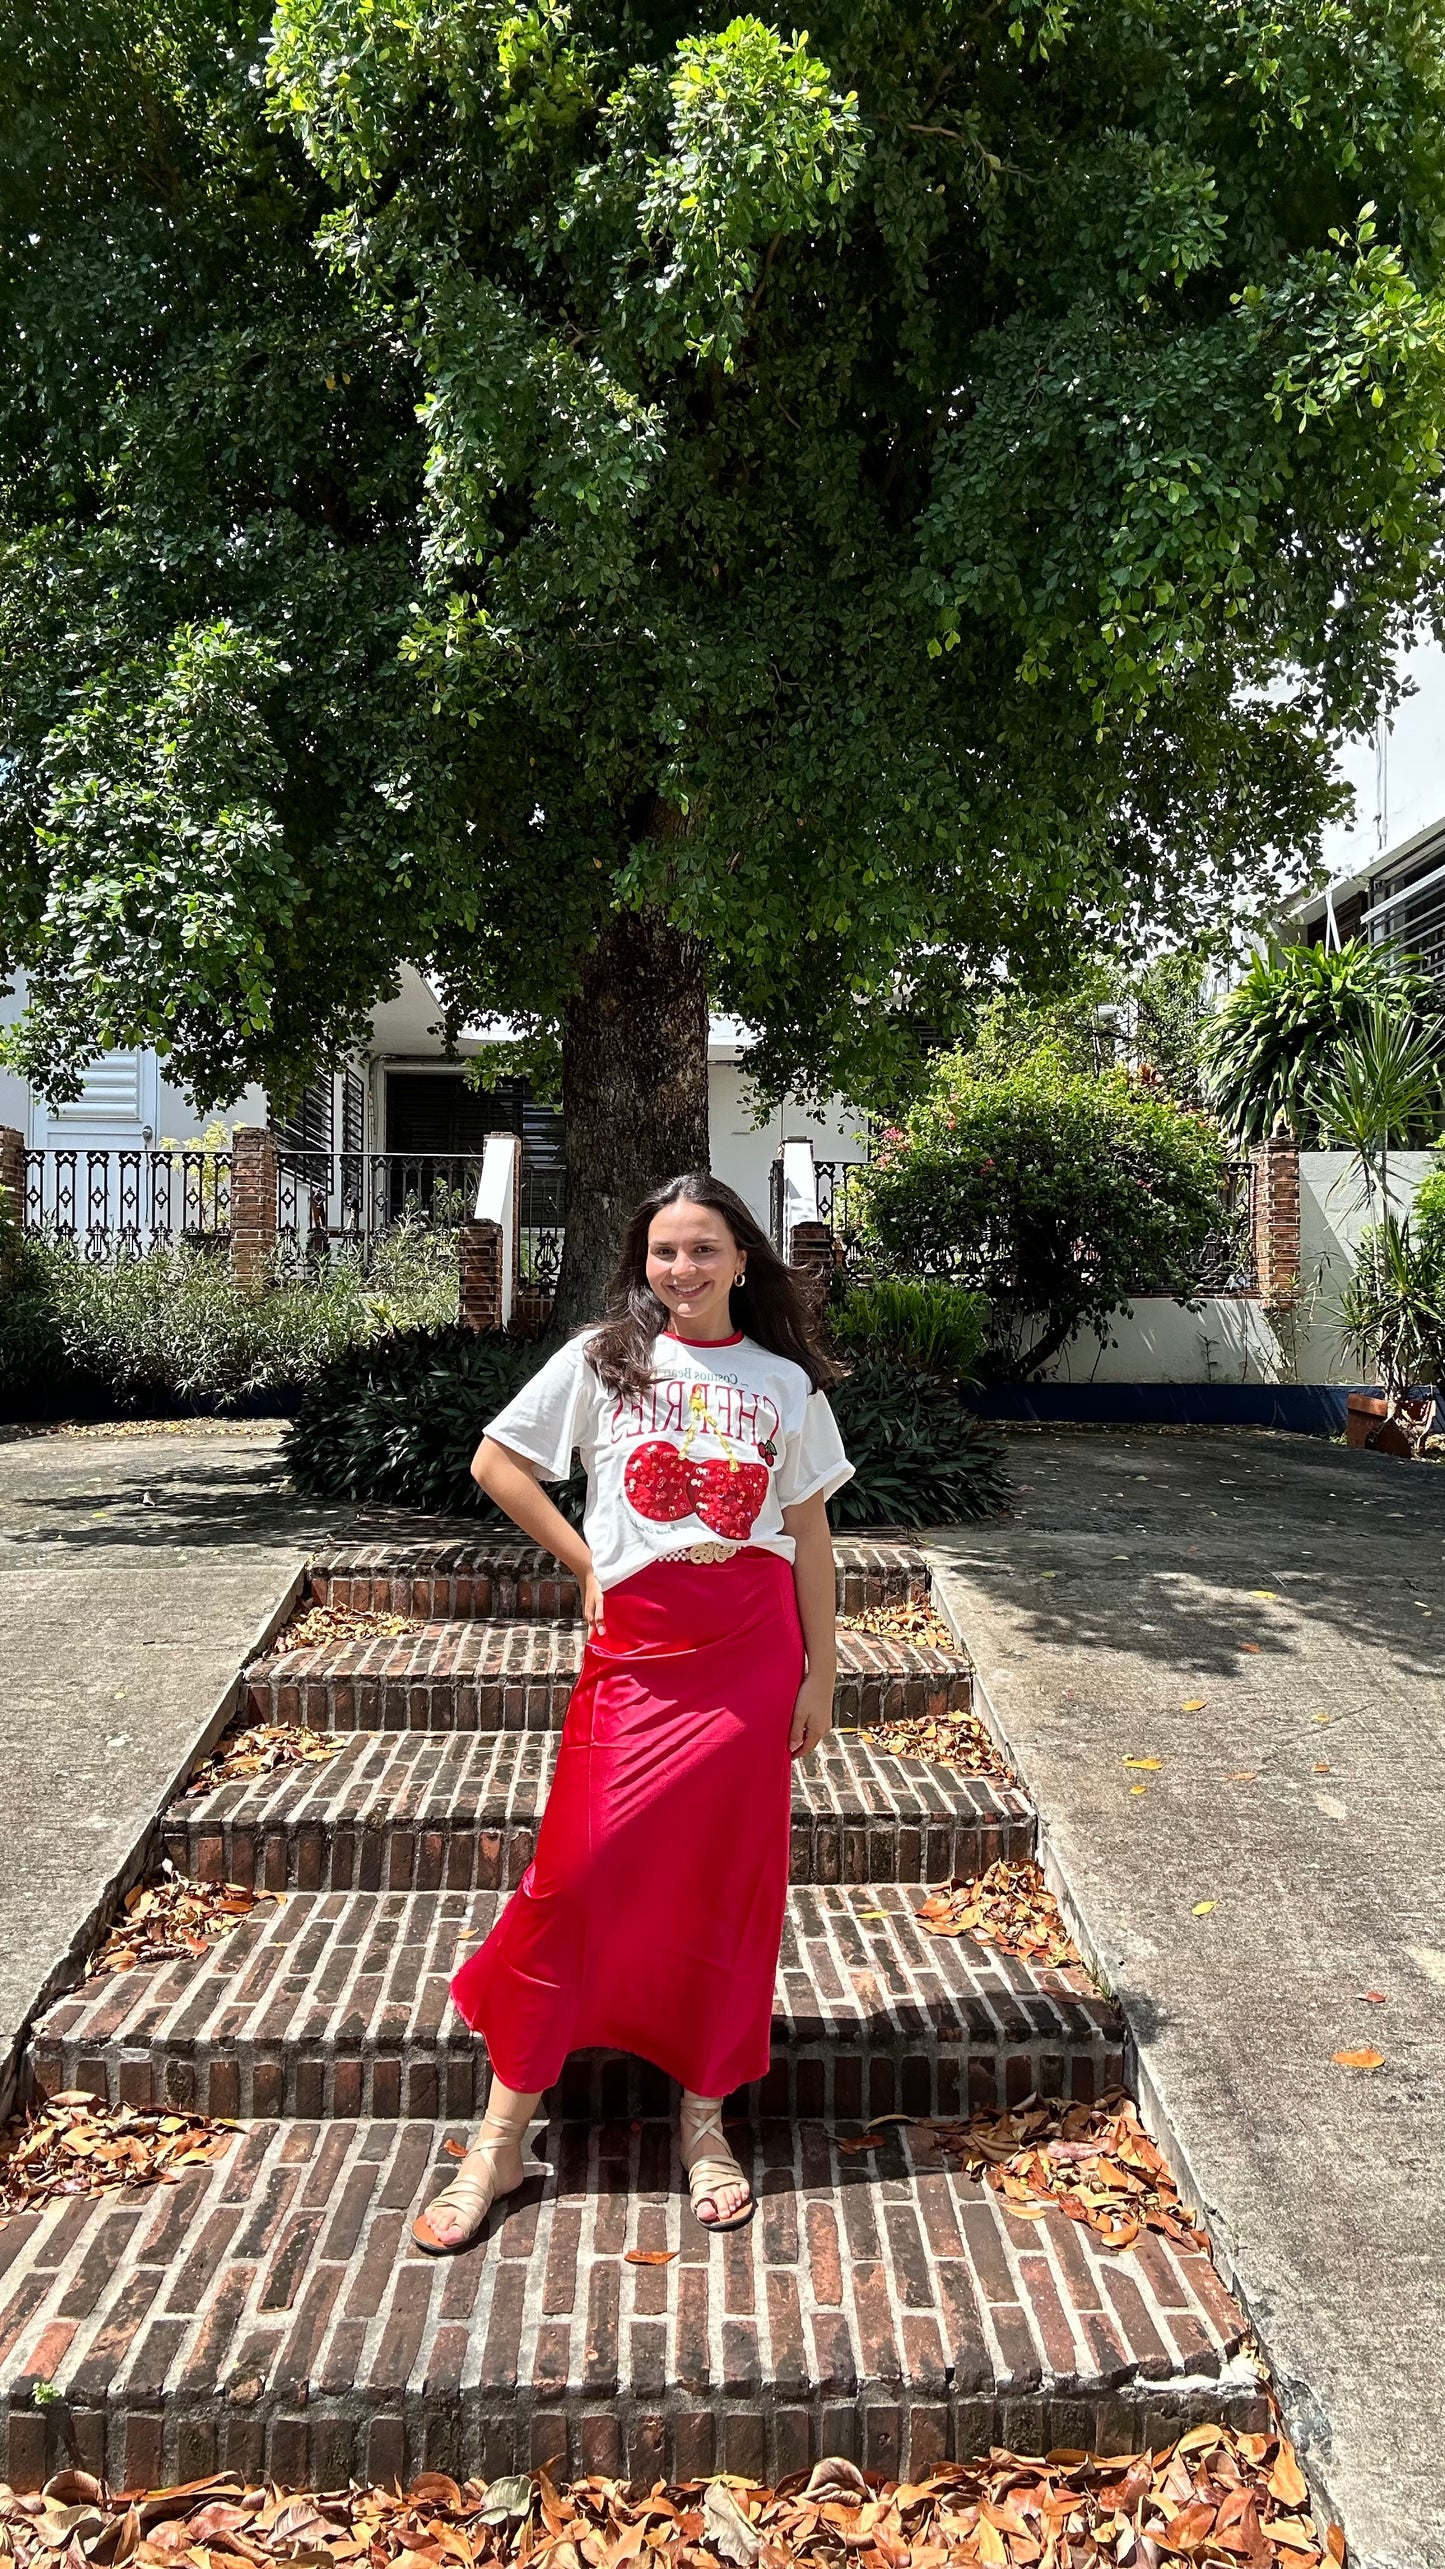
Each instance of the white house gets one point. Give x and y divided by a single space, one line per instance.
407 1097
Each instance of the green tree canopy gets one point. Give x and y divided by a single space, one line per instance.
810 519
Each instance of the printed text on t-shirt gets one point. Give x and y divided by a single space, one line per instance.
675 1405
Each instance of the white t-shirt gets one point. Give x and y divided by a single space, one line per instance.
719 1444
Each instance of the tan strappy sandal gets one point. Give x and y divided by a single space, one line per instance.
475 2187
709 2171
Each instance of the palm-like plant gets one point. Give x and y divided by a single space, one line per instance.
1383 1083
1392 1320
1277 1034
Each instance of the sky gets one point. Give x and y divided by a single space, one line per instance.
1414 777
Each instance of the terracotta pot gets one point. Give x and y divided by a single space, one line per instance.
1365 1423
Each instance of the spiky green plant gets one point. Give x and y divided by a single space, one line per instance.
1278 1034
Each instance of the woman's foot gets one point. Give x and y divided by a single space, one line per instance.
493 2166
721 2196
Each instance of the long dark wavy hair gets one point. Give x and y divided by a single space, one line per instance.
771 1304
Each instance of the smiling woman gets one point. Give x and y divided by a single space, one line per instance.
651 1915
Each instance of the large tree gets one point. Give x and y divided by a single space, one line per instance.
618 509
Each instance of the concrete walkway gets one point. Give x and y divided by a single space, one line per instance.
136 1573
1263 1616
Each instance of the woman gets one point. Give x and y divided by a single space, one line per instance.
650 1918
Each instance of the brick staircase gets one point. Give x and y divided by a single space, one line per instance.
268 2313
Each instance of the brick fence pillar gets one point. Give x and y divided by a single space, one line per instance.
479 1255
1277 1219
253 1203
813 1255
12 1171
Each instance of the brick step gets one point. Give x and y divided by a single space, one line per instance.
336 2003
432 1811
518 1676
267 2315
502 1577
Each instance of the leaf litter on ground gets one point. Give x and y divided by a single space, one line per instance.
1094 2163
168 1915
327 1627
903 1622
1214 2495
1008 1908
261 1748
958 1740
73 2144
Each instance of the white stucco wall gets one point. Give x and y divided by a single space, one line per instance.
1228 1338
742 1152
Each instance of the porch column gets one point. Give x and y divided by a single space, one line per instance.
253 1204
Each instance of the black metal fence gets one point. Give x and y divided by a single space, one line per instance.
1227 1264
120 1204
354 1199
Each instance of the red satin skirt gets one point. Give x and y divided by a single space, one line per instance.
650 1918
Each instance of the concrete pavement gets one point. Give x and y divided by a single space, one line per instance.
1263 1616
136 1573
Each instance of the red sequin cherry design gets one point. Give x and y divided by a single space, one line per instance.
658 1481
663 1483
728 1496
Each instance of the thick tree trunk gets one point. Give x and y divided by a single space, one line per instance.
634 1093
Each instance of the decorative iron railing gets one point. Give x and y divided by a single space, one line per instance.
119 1203
325 1199
839 1207
1226 1264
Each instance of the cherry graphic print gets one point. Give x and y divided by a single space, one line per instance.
727 1496
658 1481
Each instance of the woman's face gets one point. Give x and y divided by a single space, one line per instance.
693 1262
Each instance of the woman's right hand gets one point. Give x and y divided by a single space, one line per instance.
591 1604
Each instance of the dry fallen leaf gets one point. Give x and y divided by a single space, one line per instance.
904 1622
1195 1704
1153 1763
1216 2494
325 1627
1376 1997
957 1740
167 1915
1203 1909
73 2144
1358 2060
1009 1908
1095 2163
260 1748
649 2256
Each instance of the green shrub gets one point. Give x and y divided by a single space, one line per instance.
1427 1224
398 1423
174 1329
1276 1037
922 1323
1053 1192
919 1456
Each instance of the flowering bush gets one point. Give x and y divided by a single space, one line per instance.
1055 1192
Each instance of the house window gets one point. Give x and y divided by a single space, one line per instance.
309 1129
353 1112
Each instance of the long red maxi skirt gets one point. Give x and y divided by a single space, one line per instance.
650 1918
